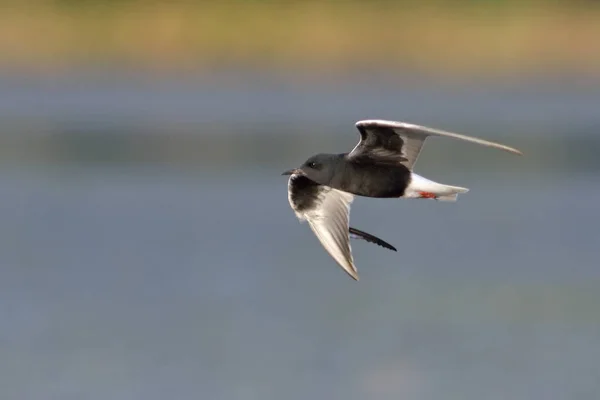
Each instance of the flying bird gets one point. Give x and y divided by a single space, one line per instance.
381 165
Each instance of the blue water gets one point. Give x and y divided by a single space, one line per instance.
136 275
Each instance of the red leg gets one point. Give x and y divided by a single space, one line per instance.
427 195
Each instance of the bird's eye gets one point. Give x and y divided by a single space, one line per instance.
312 164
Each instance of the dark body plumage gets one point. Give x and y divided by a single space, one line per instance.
363 177
357 176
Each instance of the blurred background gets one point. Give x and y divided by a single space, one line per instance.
148 249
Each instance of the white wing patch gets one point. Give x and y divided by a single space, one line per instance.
329 220
330 223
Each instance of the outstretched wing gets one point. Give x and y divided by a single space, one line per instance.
400 142
329 222
327 212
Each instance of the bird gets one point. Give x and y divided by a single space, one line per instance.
381 165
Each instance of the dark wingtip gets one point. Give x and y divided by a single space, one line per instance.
370 238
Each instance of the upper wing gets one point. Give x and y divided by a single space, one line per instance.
355 233
379 142
391 141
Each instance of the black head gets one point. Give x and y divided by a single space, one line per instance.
319 168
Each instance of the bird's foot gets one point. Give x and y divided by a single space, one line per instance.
427 195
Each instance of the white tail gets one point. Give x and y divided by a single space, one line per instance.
419 186
452 196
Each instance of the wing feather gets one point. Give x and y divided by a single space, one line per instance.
357 234
376 139
327 212
329 220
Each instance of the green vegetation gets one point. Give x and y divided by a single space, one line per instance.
313 37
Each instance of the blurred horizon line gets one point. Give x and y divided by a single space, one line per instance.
444 39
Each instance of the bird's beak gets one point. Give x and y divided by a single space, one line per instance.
292 171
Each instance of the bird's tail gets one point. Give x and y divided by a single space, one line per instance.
423 188
455 191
